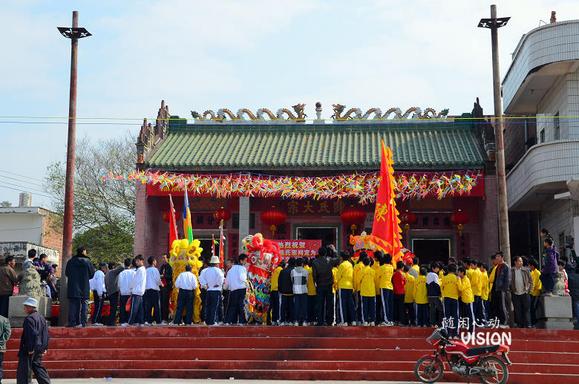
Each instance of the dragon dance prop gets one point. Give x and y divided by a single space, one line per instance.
367 243
361 186
185 253
263 258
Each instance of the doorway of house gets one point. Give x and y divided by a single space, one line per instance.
328 234
429 250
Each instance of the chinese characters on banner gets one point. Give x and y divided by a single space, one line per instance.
298 248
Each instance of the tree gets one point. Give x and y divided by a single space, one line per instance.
5 204
104 213
106 243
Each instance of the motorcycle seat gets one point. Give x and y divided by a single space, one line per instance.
482 350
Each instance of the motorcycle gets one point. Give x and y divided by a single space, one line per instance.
489 363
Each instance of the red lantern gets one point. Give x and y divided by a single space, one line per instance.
222 215
408 218
459 218
273 217
352 217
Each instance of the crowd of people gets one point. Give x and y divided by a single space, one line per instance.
329 289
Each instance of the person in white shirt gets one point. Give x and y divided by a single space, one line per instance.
97 285
187 284
236 283
152 297
125 280
212 279
138 283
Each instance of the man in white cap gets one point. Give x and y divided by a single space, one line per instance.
212 278
33 345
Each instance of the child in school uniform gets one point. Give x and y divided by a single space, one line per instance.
368 293
399 283
409 293
536 290
385 273
274 300
345 285
451 287
466 299
484 291
312 310
421 299
434 293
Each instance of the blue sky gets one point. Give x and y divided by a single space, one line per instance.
201 55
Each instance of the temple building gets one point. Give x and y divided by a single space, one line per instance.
307 182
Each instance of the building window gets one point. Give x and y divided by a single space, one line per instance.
542 136
556 127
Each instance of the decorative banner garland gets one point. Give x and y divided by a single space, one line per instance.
361 186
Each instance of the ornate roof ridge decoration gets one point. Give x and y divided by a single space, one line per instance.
376 113
243 115
150 135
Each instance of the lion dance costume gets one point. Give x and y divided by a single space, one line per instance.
182 254
263 258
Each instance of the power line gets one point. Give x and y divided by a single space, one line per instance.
23 189
20 175
22 181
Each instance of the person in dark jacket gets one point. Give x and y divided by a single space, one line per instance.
166 272
573 276
324 280
33 345
501 287
550 269
285 288
112 289
79 270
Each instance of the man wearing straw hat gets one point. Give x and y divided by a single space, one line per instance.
33 345
212 278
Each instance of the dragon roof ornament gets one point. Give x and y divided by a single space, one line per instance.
263 114
376 113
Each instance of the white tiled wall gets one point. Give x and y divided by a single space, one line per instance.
543 45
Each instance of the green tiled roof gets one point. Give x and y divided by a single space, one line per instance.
440 145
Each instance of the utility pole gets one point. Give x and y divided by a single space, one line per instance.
494 23
73 33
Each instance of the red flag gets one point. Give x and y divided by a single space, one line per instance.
386 227
173 234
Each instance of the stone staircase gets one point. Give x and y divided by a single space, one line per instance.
281 353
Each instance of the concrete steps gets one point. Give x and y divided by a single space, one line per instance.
289 353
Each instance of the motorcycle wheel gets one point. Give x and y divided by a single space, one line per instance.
502 372
429 369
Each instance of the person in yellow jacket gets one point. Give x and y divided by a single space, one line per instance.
368 293
375 264
466 299
536 291
384 278
357 278
474 275
335 263
312 312
451 287
274 300
421 299
409 295
485 290
345 281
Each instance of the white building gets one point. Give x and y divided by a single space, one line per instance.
23 228
543 151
